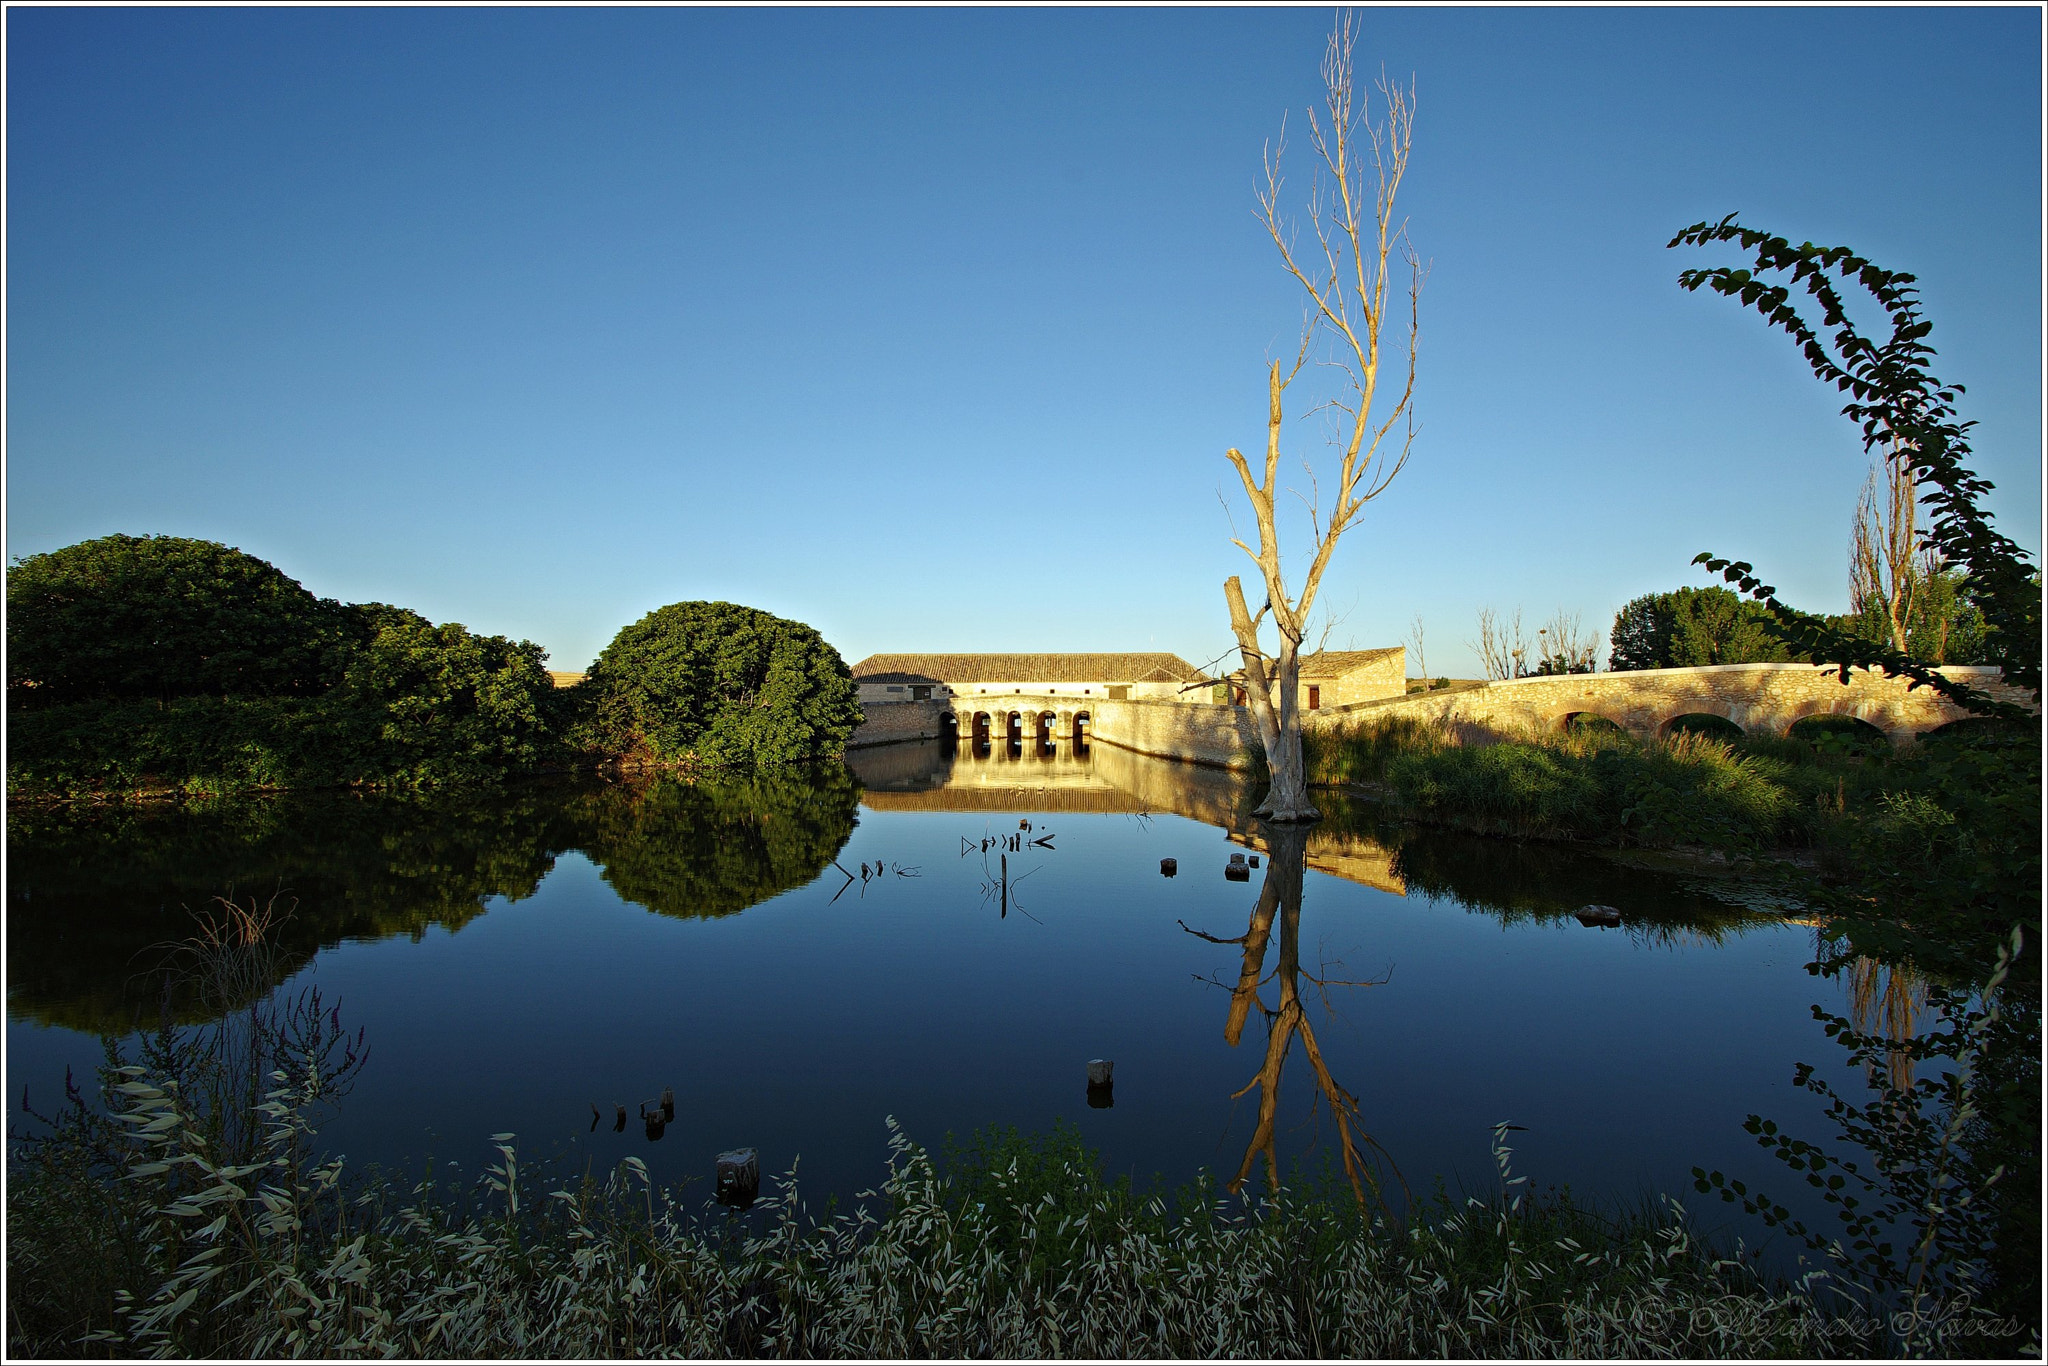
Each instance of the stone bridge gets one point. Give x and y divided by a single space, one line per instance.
1762 699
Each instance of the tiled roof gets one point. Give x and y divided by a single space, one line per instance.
1337 663
1088 668
1332 663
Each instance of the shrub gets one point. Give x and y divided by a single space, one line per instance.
160 617
432 703
718 684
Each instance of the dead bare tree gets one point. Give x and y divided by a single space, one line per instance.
1502 649
1565 646
1351 213
1884 576
1415 641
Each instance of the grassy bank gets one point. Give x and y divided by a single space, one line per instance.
134 1235
1685 790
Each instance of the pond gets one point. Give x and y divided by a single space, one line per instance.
949 939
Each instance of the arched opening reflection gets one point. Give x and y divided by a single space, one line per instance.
1590 723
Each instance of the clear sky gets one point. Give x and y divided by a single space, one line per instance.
930 327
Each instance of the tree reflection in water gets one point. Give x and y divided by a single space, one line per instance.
94 896
1280 902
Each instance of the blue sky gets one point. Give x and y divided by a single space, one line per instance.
930 327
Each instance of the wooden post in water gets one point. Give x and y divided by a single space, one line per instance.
1101 1095
739 1177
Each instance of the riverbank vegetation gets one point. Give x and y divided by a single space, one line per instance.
1830 789
156 1223
163 665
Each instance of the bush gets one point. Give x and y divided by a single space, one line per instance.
439 704
160 617
718 684
161 664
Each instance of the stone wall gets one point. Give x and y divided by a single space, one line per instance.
1763 699
890 723
1198 732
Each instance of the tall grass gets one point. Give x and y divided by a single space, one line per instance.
1024 1251
185 1210
1685 789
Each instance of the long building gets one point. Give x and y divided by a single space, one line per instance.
1114 677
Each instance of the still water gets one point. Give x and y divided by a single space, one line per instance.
516 959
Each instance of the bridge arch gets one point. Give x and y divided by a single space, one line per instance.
1825 727
1593 722
1714 723
1872 714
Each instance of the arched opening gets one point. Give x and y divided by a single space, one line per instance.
1081 732
1703 723
1589 723
1044 732
981 732
1833 732
1973 729
949 732
1013 731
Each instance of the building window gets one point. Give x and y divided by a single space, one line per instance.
1120 693
895 687
1315 697
918 694
1239 700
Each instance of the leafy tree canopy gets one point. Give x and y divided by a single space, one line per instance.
445 704
161 617
725 684
1692 626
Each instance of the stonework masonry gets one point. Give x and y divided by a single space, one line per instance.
890 723
1763 699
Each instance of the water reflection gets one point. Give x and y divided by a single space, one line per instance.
1365 1162
1516 881
97 897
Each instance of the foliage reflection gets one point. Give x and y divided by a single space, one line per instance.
97 897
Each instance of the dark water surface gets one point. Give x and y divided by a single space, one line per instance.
515 958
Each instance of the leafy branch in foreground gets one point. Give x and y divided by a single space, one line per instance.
1909 416
1922 1189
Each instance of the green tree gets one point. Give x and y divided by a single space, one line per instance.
1692 626
160 617
722 685
441 704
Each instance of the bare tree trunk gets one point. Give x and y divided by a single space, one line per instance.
1274 696
1356 230
1883 575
